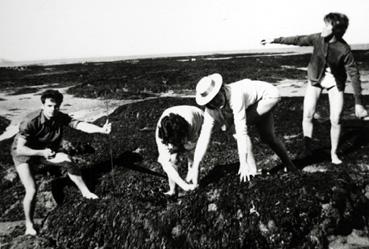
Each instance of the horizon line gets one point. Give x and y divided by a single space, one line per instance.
77 60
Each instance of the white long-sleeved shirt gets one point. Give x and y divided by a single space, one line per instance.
240 95
194 116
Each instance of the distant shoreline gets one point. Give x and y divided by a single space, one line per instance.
266 51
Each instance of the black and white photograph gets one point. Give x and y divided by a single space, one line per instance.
184 124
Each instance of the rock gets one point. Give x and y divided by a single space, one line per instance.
10 174
212 207
272 227
359 239
46 199
176 231
213 195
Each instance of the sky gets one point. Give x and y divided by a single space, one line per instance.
62 29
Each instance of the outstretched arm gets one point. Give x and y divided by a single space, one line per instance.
91 128
301 40
202 145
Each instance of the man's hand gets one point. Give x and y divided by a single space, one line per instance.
47 153
191 176
190 187
106 129
361 112
266 41
246 172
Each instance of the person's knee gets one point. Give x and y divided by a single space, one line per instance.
30 192
335 121
72 168
268 138
308 115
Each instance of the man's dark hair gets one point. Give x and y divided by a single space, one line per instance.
54 95
339 23
173 129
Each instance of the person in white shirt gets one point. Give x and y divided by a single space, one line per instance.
176 133
232 107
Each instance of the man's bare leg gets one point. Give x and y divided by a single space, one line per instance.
336 100
172 187
265 128
29 184
81 185
311 98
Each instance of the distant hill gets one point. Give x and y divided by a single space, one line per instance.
281 49
5 62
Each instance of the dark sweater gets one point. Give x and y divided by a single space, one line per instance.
337 55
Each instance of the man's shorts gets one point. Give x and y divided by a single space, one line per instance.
37 160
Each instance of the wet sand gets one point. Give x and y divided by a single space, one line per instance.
15 107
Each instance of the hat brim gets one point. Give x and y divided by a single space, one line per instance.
218 81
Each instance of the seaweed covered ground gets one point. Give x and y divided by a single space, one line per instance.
327 207
3 124
137 78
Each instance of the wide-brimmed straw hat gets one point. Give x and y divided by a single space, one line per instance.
207 88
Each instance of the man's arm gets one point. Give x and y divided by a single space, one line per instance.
167 161
244 145
353 72
24 150
91 128
202 144
301 40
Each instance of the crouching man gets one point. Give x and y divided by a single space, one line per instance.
38 141
233 107
176 133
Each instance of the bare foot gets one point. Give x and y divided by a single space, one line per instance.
30 231
170 192
90 195
335 159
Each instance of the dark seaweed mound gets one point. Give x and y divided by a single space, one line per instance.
277 210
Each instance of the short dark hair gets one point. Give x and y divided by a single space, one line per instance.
339 23
173 129
54 95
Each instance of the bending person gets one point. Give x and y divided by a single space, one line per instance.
176 133
329 65
232 107
38 141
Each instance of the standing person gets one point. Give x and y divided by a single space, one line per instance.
38 141
331 61
232 107
176 133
